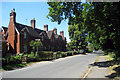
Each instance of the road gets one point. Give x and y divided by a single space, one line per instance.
69 67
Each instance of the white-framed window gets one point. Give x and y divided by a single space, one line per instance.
25 48
25 35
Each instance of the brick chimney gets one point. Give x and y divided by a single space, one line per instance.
13 16
45 27
33 23
55 30
11 31
62 33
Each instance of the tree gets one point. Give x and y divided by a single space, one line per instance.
77 37
99 20
36 45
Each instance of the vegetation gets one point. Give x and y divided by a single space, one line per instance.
98 20
17 61
114 66
36 45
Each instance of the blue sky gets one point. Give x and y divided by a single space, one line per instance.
25 11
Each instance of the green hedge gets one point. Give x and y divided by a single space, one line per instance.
69 53
75 52
13 59
42 55
89 51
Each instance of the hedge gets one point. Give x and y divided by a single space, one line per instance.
42 55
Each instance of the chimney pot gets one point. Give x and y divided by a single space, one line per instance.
12 16
62 33
55 30
45 27
33 23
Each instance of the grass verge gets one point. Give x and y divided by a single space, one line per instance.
114 69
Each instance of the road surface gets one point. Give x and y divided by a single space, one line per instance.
69 67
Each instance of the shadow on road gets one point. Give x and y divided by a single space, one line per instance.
108 64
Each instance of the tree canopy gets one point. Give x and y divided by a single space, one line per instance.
99 20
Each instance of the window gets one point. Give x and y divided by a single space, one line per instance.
25 35
25 48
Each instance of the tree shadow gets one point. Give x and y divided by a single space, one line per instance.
106 64
115 74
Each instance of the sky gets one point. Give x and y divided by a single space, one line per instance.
25 11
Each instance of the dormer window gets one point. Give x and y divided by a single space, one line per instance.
25 35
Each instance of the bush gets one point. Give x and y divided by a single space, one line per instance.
30 57
59 54
89 51
69 53
64 54
13 59
75 52
111 54
45 55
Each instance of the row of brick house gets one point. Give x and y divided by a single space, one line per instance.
18 36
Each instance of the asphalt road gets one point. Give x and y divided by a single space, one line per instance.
69 67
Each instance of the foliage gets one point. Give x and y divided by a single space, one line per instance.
63 54
69 53
99 20
58 54
44 55
77 37
75 52
89 51
36 45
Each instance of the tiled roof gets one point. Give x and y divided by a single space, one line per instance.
5 28
33 32
1 38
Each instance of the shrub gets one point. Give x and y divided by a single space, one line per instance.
13 59
45 55
111 54
69 53
75 52
89 51
63 54
59 55
30 57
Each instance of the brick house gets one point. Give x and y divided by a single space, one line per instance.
18 36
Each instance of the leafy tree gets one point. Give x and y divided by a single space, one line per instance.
99 20
77 37
36 45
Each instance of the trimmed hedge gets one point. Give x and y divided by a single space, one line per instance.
75 52
45 55
13 59
32 57
69 53
64 54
